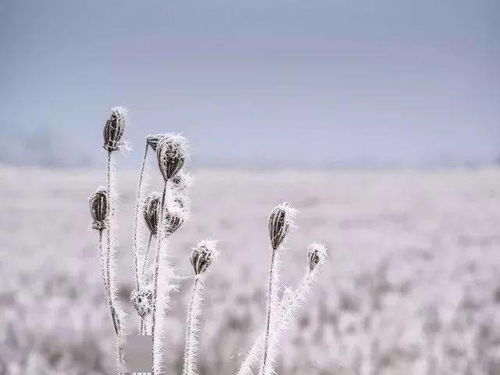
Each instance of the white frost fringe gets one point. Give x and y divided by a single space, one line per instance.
192 328
291 301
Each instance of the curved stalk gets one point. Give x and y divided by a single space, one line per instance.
110 208
137 214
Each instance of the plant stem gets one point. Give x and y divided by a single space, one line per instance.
189 351
110 208
270 298
160 239
143 318
287 306
137 214
147 255
103 264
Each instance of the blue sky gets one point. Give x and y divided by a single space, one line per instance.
260 83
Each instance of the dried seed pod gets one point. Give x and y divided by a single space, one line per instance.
142 300
153 140
171 154
114 128
316 254
151 212
98 204
203 255
173 221
280 222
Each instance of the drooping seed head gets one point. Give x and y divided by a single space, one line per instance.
151 212
171 153
98 204
203 255
114 128
280 223
316 253
153 140
142 300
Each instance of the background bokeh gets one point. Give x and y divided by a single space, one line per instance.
379 121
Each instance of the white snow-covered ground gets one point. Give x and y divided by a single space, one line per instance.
412 285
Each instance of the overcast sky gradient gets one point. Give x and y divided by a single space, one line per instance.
253 83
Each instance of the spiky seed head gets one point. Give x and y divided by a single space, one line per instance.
142 300
171 154
153 140
98 204
280 223
151 212
316 253
114 128
203 255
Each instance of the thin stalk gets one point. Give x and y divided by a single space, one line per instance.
103 264
147 255
114 317
137 214
143 318
191 327
159 241
270 298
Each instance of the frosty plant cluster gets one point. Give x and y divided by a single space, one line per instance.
158 215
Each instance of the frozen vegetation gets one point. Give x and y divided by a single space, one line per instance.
412 284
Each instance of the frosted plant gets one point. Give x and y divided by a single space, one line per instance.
202 256
291 301
162 215
98 204
171 153
280 222
113 132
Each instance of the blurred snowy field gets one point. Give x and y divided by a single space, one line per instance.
412 285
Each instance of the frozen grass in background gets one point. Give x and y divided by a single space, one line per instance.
412 283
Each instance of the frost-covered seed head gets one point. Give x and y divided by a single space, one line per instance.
316 254
173 221
153 140
151 212
98 204
203 255
142 300
280 222
171 154
114 128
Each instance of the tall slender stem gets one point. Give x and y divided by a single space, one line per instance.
270 296
110 208
160 239
190 348
103 264
137 214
